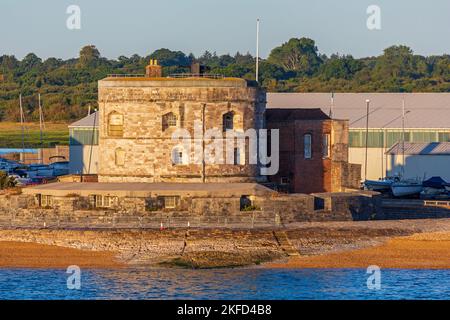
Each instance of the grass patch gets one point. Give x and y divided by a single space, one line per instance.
53 134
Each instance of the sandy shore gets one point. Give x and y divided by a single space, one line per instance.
419 251
344 244
34 255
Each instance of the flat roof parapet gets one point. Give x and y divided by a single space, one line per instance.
185 81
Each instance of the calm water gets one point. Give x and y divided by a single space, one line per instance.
224 284
9 150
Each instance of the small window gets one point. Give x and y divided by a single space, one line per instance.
326 146
227 121
154 204
169 202
169 120
101 201
115 125
178 157
245 203
237 157
120 157
285 180
307 141
45 201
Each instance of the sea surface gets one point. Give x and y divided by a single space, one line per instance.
11 150
224 284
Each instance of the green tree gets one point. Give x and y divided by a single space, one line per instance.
89 56
298 55
168 58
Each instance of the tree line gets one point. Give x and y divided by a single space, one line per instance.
69 87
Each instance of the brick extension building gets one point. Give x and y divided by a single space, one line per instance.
313 152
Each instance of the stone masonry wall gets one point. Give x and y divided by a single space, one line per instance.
132 212
147 146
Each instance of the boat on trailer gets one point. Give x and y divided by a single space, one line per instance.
382 185
406 188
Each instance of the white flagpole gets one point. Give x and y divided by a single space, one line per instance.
257 50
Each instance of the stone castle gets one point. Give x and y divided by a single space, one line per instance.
138 116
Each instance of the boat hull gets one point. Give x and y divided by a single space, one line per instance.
404 190
378 185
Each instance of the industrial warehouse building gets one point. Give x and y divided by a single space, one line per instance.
84 145
419 160
426 120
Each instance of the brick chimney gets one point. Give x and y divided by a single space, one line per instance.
153 70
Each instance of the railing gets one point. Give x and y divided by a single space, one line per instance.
196 75
125 75
175 75
437 203
119 221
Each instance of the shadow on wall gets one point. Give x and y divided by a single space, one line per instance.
420 167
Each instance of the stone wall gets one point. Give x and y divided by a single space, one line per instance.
146 145
345 176
363 205
74 211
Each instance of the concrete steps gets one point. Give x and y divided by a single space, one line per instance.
415 209
284 243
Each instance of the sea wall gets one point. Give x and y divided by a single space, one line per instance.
75 211
175 247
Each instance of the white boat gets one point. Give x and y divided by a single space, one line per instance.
379 185
406 188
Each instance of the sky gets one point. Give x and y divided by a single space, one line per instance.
142 26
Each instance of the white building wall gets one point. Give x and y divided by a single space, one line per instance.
376 160
79 159
420 166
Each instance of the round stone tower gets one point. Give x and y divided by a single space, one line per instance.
140 117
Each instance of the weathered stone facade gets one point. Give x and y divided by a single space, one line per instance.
57 205
320 167
139 115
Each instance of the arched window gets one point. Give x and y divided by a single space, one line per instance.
120 157
227 121
115 124
307 144
178 156
169 120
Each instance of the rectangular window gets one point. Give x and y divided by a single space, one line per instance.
307 141
83 136
120 157
115 125
177 157
444 136
101 201
237 157
326 146
285 180
170 202
45 201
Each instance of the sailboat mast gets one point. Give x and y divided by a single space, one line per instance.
257 50
403 137
40 119
22 122
332 105
367 137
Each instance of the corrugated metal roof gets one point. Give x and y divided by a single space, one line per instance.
424 110
415 148
86 121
